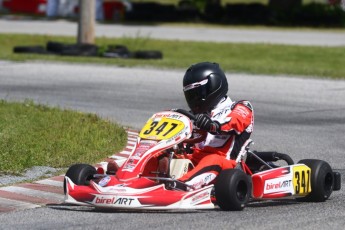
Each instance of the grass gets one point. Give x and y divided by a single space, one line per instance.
37 135
270 59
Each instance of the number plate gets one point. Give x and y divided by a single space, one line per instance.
162 128
301 179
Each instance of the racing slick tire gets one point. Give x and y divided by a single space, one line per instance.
322 179
80 174
232 190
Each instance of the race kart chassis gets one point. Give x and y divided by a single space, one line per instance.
140 182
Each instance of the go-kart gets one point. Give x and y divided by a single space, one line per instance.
146 179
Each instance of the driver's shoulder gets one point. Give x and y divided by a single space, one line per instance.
244 103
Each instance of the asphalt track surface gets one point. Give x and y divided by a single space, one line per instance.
302 117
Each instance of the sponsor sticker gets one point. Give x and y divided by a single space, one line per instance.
279 185
104 181
117 200
200 197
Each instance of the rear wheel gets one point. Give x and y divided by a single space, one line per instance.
322 179
80 174
232 189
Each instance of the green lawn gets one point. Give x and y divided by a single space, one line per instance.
233 57
36 135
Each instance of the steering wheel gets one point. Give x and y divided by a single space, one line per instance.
198 134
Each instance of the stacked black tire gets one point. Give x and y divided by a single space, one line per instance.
88 50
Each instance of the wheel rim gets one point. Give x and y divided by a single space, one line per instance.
241 191
328 184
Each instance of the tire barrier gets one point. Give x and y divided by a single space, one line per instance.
30 49
112 51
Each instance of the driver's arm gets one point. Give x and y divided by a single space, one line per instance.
239 119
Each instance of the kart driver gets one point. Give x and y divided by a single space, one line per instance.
228 123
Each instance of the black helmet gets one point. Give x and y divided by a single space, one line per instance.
204 85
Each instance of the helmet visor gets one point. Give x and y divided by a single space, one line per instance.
196 94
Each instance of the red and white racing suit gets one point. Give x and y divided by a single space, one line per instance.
219 151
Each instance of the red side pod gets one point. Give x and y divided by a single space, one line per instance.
273 183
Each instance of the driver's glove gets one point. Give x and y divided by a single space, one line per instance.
204 122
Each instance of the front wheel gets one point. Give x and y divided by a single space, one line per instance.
80 174
322 179
233 189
